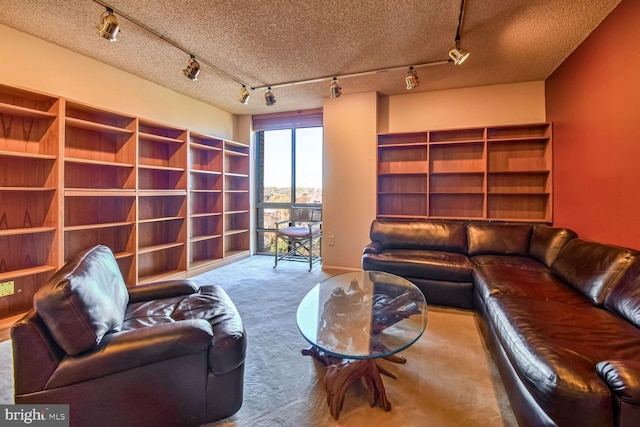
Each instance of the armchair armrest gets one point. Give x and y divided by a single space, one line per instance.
164 289
374 247
622 377
283 221
121 351
309 222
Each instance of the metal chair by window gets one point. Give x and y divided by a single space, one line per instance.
301 234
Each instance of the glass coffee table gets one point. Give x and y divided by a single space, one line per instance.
351 320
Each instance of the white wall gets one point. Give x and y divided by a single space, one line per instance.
351 124
37 65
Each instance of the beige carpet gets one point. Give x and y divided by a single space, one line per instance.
449 378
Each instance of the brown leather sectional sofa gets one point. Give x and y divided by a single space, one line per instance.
560 315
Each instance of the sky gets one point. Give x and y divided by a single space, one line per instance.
277 158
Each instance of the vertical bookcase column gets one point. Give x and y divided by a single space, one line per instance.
236 198
29 194
100 184
519 173
205 200
162 201
494 173
403 175
457 169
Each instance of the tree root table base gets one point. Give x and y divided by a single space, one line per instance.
341 373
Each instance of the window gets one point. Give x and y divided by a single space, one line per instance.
289 172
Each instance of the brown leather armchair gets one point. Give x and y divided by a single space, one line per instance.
168 353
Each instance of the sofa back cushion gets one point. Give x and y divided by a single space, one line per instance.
486 238
546 243
84 300
429 234
624 298
592 268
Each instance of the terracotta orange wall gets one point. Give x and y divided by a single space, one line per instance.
593 99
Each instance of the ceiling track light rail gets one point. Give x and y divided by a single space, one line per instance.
345 76
168 40
109 27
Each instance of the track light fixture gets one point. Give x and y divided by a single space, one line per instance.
193 69
244 95
412 79
269 97
109 26
334 88
458 55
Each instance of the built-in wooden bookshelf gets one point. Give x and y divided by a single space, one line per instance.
236 198
100 183
162 201
29 193
206 198
493 173
165 199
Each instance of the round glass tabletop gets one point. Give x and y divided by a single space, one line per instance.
363 315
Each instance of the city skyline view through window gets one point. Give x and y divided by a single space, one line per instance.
278 170
289 172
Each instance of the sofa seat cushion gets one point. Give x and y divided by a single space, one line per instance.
427 264
127 351
84 300
491 279
555 347
228 343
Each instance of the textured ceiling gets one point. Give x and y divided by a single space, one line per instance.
266 42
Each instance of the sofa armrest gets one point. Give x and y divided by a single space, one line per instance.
373 248
131 349
622 377
36 355
164 289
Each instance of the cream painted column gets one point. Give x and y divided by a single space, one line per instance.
349 178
